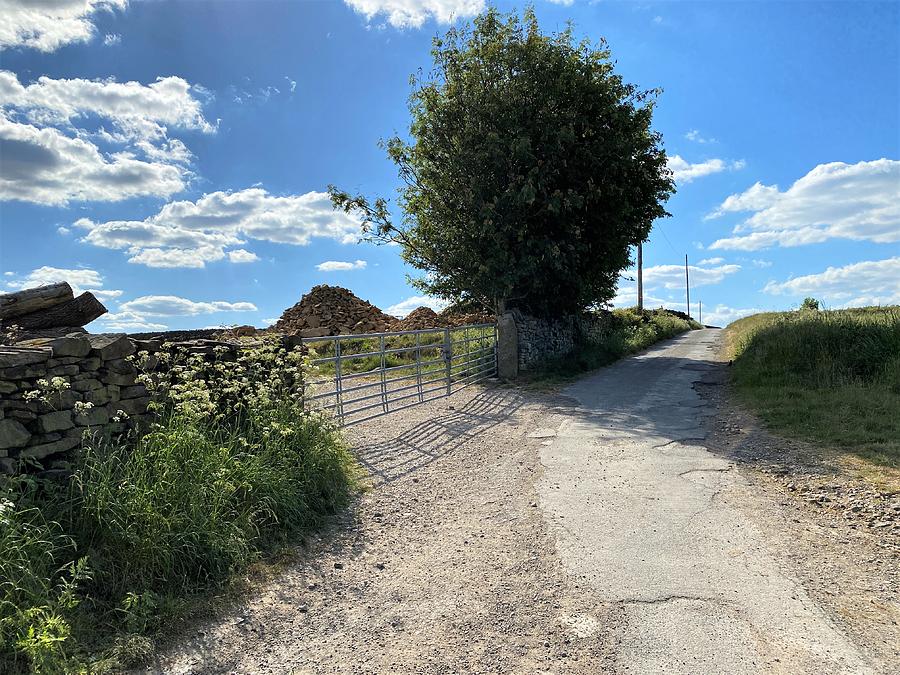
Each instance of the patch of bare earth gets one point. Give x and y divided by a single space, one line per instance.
446 565
836 531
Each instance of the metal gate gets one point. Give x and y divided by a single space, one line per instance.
358 377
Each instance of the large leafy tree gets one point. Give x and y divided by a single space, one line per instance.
531 170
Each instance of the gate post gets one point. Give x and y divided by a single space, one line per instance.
448 359
507 347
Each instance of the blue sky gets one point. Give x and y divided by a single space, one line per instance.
172 156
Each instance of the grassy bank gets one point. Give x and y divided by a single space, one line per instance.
630 331
93 564
828 376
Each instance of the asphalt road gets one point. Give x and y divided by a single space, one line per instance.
653 521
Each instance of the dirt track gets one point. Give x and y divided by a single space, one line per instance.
456 561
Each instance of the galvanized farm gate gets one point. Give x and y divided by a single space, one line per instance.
359 377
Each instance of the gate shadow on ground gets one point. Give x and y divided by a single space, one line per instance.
418 446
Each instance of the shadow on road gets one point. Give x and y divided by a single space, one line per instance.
423 443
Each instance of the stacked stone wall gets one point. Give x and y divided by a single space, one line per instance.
540 339
54 389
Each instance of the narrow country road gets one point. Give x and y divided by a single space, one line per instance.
653 520
600 529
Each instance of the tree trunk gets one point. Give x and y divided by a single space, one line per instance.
34 300
78 312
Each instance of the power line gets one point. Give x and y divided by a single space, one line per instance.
663 233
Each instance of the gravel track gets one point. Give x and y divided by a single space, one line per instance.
457 560
445 566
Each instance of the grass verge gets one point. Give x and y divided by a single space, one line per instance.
630 331
827 376
93 565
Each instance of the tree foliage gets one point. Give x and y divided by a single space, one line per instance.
810 305
531 170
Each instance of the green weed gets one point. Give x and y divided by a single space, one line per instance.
232 468
630 331
826 376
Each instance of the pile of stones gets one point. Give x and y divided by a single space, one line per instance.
422 318
453 318
332 310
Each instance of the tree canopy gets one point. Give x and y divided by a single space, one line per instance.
530 171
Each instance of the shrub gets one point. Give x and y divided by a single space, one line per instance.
810 305
630 330
232 467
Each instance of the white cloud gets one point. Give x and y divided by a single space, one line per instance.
292 83
142 314
672 276
127 321
50 159
79 279
414 13
685 172
240 255
657 20
722 315
173 258
106 295
872 282
761 263
47 26
47 167
340 266
136 109
626 296
755 198
63 230
190 234
112 39
173 305
564 3
833 201
404 307
697 137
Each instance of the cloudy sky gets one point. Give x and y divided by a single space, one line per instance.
172 157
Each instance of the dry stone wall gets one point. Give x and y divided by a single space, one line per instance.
54 389
540 339
42 418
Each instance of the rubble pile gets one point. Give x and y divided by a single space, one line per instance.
453 317
332 310
422 318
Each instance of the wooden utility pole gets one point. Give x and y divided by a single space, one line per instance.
687 285
640 277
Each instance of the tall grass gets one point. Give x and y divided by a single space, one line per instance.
829 376
630 331
231 468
